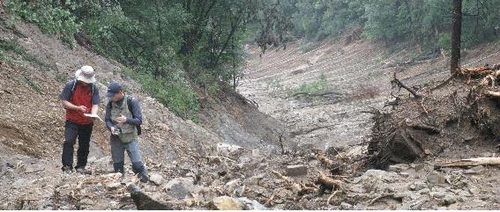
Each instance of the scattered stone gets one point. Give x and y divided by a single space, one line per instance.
345 206
251 204
226 203
398 167
449 199
156 179
296 170
144 201
436 178
417 186
180 188
20 183
113 185
86 201
438 194
404 174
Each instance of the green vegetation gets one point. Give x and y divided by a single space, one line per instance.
175 93
423 24
315 87
51 19
175 47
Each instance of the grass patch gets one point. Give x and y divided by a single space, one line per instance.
316 87
174 93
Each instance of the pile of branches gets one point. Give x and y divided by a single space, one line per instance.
396 140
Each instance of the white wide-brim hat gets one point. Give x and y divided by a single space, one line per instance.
85 74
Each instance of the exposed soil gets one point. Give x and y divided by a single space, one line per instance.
301 152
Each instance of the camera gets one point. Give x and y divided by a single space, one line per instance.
116 131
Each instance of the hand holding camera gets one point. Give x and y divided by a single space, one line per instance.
115 130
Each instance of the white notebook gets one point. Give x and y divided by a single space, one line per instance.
92 116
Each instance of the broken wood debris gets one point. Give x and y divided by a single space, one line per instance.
480 161
395 82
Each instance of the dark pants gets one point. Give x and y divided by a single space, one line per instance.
71 133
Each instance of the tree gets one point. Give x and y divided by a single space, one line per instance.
455 36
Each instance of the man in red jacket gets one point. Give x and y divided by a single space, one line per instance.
79 97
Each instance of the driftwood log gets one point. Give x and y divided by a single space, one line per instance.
481 161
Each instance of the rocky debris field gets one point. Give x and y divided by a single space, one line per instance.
241 179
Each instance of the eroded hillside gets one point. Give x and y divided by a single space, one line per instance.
240 159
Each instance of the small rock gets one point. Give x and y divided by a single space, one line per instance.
226 203
417 186
20 183
398 167
495 199
425 191
113 185
437 194
296 170
474 170
180 188
436 178
251 204
87 201
345 206
99 187
156 179
449 199
417 166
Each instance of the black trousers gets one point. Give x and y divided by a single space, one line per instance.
71 133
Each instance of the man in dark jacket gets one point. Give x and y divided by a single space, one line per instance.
123 115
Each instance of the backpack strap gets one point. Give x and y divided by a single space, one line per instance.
74 86
129 104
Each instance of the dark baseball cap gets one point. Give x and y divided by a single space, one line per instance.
113 88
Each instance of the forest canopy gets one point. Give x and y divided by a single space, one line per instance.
174 46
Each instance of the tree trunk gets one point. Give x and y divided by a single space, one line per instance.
455 36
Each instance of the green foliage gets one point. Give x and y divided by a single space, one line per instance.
173 92
51 20
480 22
420 23
314 87
444 42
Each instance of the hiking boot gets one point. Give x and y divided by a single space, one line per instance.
143 177
80 170
67 169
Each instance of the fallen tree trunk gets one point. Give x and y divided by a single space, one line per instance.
491 161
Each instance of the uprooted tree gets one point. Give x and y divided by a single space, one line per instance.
462 109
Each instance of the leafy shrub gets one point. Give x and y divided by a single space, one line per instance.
315 87
51 20
173 92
